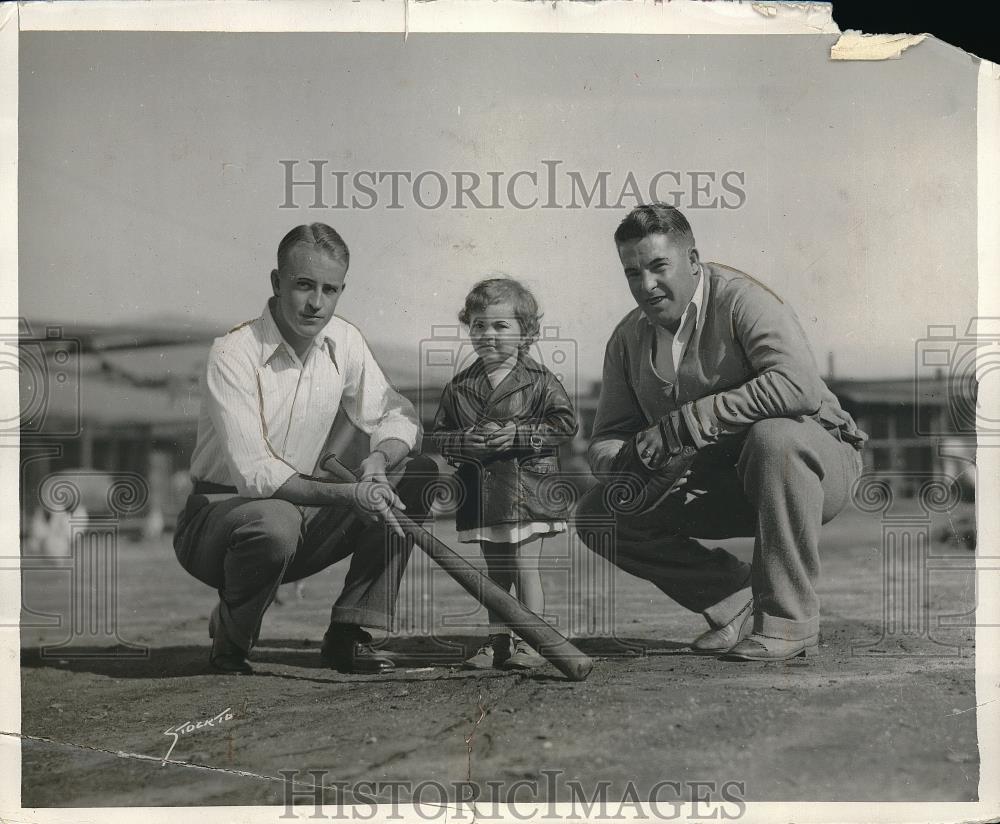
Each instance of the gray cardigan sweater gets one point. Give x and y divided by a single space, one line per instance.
747 359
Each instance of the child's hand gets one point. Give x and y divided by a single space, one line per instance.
474 443
500 437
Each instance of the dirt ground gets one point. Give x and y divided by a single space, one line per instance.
876 716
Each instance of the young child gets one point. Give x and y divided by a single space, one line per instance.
501 422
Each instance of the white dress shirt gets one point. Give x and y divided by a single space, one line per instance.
677 343
266 414
602 451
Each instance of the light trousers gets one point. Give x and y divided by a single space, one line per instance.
779 484
247 547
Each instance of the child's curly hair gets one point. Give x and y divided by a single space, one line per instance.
498 289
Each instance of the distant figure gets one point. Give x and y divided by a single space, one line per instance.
50 533
180 486
710 380
958 463
298 590
153 524
38 530
57 539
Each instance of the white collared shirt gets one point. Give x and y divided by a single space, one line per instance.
689 320
266 414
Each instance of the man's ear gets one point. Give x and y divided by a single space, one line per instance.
275 280
694 257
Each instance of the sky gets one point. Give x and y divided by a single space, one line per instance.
151 183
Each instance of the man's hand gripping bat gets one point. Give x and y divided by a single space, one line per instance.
543 637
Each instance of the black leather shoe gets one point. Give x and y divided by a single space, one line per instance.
349 649
233 664
225 655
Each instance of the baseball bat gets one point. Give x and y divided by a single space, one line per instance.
542 636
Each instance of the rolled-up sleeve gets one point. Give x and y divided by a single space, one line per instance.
234 406
787 381
372 404
618 415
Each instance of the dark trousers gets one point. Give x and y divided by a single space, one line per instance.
247 547
778 484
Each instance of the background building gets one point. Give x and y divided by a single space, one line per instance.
97 401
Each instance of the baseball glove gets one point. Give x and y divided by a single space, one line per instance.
641 488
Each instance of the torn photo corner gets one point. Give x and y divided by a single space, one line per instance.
832 355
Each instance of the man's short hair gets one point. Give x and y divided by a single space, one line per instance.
315 234
653 219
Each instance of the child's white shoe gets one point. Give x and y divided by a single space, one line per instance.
523 658
491 655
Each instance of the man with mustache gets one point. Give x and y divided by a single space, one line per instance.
712 374
259 515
